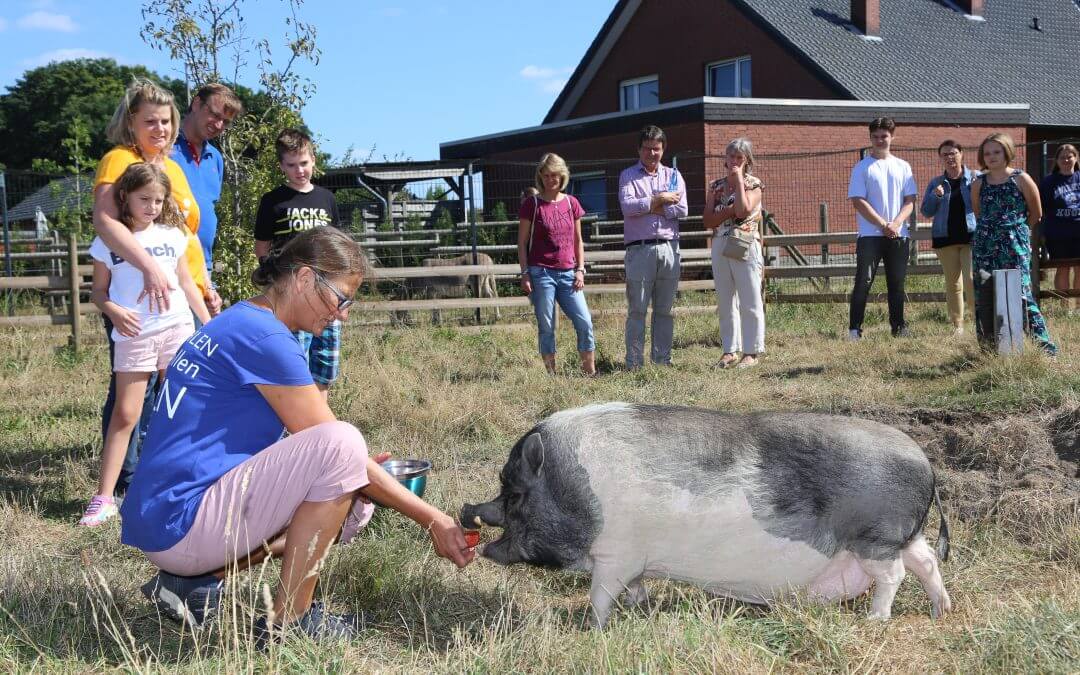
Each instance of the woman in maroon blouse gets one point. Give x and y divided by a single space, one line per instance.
552 258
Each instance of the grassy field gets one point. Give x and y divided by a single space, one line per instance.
1004 435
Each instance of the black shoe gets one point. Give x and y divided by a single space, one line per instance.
1049 348
190 600
316 623
901 332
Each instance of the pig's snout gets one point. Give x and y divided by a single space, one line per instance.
488 513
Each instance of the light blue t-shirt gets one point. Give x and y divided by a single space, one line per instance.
883 183
208 418
204 173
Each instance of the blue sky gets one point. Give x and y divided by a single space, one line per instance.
403 75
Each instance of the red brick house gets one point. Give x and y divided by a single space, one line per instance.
799 76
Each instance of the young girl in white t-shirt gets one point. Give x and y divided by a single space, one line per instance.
145 341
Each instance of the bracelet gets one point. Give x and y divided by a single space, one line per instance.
580 269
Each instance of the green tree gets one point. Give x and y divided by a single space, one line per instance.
206 37
42 109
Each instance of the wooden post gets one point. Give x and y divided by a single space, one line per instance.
1008 312
913 244
74 282
762 231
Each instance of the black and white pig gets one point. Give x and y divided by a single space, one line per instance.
755 507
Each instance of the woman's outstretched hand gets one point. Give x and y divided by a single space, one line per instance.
449 541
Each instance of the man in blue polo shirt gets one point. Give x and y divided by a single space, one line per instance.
213 108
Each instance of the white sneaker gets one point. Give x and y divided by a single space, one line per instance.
854 335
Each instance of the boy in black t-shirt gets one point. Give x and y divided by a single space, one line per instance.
286 211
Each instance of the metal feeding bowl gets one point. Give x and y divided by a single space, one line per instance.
412 473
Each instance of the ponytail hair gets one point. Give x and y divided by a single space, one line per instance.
328 250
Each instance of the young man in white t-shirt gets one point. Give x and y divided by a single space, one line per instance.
883 192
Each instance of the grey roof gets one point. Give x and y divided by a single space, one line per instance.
421 174
929 50
401 172
58 194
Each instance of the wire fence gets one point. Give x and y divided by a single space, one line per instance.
430 219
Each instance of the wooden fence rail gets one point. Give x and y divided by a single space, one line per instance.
74 281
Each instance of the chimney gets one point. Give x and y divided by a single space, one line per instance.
866 15
971 7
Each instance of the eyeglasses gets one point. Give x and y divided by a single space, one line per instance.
223 118
343 302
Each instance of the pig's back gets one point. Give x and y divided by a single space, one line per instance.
707 496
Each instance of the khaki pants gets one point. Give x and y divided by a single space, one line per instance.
956 264
652 276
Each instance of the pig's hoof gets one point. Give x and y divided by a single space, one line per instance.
596 623
939 610
879 616
636 597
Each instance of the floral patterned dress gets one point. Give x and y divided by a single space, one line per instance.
1003 241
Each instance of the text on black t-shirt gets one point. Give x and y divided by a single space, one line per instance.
284 213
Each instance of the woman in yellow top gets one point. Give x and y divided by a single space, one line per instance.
143 128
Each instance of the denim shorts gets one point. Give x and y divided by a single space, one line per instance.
323 352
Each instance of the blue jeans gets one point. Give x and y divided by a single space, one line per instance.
548 287
131 459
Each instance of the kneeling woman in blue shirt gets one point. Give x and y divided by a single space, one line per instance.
218 488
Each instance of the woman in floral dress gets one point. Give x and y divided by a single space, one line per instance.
1006 204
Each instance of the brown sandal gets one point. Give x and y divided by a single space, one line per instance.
727 360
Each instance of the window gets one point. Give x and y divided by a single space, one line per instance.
589 189
728 78
641 92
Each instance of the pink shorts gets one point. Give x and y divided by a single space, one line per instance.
254 502
147 353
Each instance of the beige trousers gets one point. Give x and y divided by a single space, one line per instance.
956 264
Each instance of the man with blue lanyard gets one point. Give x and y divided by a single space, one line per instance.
213 108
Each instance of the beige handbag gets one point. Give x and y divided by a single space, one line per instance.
737 244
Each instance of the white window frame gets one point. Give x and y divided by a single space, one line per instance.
737 62
633 82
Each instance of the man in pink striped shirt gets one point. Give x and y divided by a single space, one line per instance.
653 198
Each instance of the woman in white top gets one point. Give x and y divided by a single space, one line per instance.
733 202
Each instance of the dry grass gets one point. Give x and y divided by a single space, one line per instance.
1003 434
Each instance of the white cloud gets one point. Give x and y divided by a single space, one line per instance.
47 21
3 24
64 55
549 80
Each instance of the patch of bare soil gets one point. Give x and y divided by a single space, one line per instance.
1020 470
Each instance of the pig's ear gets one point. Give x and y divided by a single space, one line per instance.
533 452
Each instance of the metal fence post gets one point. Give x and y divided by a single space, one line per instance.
74 283
472 233
7 243
823 220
